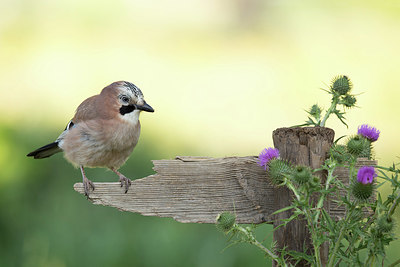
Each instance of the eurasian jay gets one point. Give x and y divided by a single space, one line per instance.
103 132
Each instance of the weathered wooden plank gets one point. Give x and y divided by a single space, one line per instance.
195 190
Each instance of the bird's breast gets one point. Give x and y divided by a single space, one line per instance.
125 135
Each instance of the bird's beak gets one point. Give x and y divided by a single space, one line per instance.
145 107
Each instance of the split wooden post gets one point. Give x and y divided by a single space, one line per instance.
307 146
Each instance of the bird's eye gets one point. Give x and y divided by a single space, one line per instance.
124 99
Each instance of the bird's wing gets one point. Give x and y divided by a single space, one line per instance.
97 107
86 110
93 111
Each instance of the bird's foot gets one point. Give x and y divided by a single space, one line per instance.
122 179
125 181
87 185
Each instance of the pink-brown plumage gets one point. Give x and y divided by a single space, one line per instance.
100 143
103 132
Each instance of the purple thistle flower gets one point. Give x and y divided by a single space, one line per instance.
266 155
366 175
371 133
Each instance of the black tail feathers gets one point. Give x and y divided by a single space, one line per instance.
45 151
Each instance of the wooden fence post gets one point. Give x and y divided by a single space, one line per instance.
307 146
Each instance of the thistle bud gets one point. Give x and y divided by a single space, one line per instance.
277 169
367 151
341 85
339 153
302 174
315 111
362 191
384 224
315 181
363 184
349 101
359 146
225 221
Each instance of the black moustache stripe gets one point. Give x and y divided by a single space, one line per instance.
126 109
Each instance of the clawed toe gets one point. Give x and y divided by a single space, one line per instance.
125 181
87 185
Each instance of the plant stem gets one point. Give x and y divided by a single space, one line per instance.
317 253
252 240
332 260
310 223
331 109
370 260
350 246
394 263
323 195
291 187
314 236
394 205
340 237
397 199
387 169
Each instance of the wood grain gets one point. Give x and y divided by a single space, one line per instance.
308 146
195 190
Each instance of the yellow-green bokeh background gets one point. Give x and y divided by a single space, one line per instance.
221 75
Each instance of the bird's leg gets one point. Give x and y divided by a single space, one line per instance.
124 181
87 184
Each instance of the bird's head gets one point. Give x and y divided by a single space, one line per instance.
127 97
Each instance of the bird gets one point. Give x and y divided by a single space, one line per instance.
103 132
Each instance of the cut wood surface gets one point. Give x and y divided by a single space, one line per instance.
194 190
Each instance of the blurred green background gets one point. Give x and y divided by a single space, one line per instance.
221 75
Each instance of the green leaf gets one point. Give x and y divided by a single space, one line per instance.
379 199
337 140
384 176
286 221
283 209
379 185
341 117
328 219
300 256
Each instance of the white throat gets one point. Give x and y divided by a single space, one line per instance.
131 117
